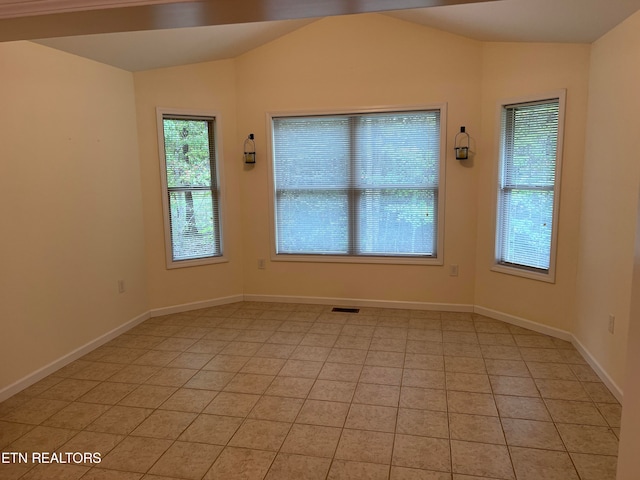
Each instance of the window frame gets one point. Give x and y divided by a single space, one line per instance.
522 270
360 259
161 112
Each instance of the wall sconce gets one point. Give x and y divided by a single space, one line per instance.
249 150
462 151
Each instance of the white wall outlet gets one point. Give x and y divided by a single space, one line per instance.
121 288
262 264
453 270
612 323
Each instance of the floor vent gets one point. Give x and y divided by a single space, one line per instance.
345 310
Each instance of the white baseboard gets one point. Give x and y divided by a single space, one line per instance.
558 333
360 302
524 323
39 374
185 307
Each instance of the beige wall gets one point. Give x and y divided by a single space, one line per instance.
512 70
70 205
611 176
361 61
206 86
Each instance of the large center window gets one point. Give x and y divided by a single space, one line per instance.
358 185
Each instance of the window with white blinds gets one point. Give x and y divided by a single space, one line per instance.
190 189
358 184
528 185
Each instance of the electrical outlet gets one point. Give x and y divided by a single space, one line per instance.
612 323
453 270
121 288
261 264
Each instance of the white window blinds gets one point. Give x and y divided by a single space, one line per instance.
527 184
192 188
362 184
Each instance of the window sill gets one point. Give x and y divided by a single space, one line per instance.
541 277
357 259
195 262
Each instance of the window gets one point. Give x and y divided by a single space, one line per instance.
531 147
191 196
358 185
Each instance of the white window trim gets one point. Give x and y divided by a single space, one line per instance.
170 262
550 276
363 259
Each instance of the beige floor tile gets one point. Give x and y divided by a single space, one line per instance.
365 446
588 439
241 348
556 371
210 347
212 429
134 374
423 361
468 382
526 408
97 371
388 344
452 336
287 466
35 411
422 452
344 470
518 386
148 396
41 439
404 473
263 366
232 404
386 395
423 378
461 350
372 417
318 412
425 423
476 428
355 342
482 460
318 340
249 383
599 393
503 339
108 393
240 464
68 389
465 365
84 441
584 373
500 352
332 390
274 350
567 411
119 420
257 336
260 434
536 341
164 424
507 368
381 375
340 371
595 467
301 368
102 474
290 326
427 348
290 387
226 363
189 400
352 330
390 332
286 338
282 409
534 464
423 398
425 335
135 454
171 377
76 415
10 432
550 355
347 355
562 390
313 440
186 460
55 471
471 403
384 359
531 434
314 354
612 413
209 380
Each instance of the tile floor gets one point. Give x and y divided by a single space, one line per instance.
283 391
